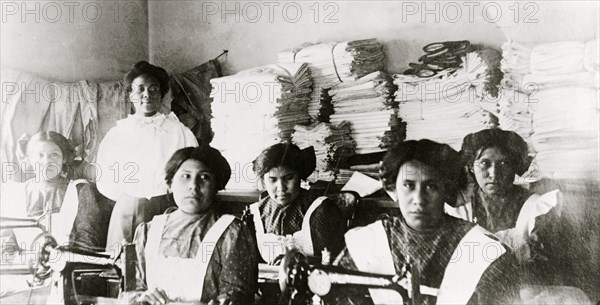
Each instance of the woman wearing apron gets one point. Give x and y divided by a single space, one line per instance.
290 216
194 254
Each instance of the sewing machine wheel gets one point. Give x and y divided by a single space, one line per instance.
41 268
319 283
293 271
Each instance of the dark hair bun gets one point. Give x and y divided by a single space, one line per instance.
287 155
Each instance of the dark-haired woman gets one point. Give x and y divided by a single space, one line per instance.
448 257
494 157
195 254
291 215
72 203
132 155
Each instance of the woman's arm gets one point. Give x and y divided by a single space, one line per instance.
499 283
239 265
89 229
139 239
327 228
110 151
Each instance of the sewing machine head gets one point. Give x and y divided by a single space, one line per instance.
76 277
300 281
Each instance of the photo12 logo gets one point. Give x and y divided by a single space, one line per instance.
70 11
459 11
269 11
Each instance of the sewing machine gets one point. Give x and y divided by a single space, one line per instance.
77 277
303 283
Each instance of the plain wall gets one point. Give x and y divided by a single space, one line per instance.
184 34
76 43
74 40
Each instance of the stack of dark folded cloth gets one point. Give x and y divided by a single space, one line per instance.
335 62
332 145
368 105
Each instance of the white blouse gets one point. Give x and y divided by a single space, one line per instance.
132 156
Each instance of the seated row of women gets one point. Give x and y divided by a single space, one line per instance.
198 244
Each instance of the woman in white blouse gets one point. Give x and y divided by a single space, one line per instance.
132 155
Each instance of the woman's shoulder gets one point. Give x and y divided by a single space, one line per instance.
172 121
236 224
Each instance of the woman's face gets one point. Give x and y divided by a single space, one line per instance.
421 194
46 158
145 95
494 172
194 187
282 184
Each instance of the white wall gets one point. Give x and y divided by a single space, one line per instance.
184 34
101 40
74 40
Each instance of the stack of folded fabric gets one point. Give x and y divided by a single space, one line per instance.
343 176
331 143
368 105
256 108
551 97
513 100
371 170
373 131
334 63
451 104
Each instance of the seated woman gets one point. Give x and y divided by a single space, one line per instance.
194 254
421 176
315 224
71 214
494 157
76 219
132 154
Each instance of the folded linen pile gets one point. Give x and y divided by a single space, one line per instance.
331 143
256 108
335 62
551 97
451 104
367 104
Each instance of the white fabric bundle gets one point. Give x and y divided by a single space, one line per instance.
532 83
367 104
373 131
561 115
515 114
565 118
254 109
557 58
333 63
330 143
590 57
515 57
552 58
371 92
446 107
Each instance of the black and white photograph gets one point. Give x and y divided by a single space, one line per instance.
299 152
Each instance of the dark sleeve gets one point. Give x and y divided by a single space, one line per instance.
499 283
347 295
238 277
87 231
139 239
327 228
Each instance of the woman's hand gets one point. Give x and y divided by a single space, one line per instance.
154 296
